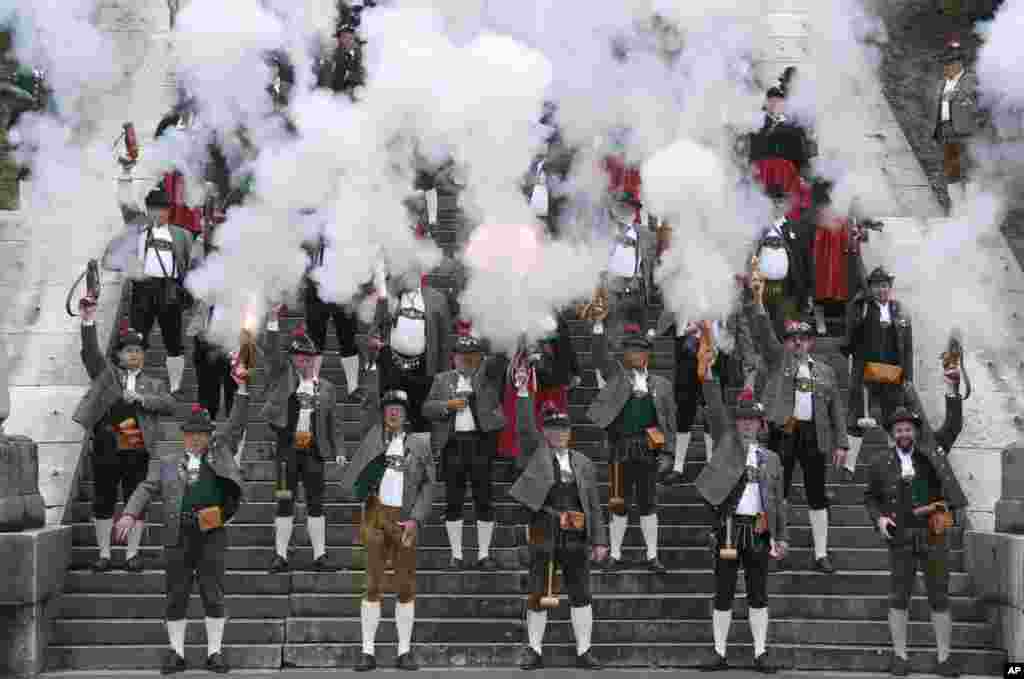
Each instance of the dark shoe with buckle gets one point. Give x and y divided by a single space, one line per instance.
357 396
366 663
215 663
762 665
824 565
613 564
456 564
656 566
487 564
587 661
719 664
278 565
899 666
134 564
102 565
406 662
946 668
322 565
673 478
532 660
173 663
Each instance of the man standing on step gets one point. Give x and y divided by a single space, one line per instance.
743 486
559 487
638 413
122 409
880 340
956 121
201 488
393 473
911 494
411 329
164 256
806 413
300 410
465 406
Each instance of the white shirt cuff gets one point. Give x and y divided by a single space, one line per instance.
273 326
598 328
88 324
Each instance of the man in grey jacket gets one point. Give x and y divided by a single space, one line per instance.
956 119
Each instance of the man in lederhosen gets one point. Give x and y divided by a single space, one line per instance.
805 411
784 253
164 254
465 407
957 119
412 325
638 413
743 486
880 340
202 488
122 410
393 472
559 488
300 410
911 494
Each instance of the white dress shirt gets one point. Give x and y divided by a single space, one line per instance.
884 313
640 379
947 94
392 484
750 501
409 336
562 457
906 463
307 387
464 420
774 262
130 378
153 257
803 401
624 260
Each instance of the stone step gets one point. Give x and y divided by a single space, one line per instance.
89 607
636 581
132 632
124 657
348 557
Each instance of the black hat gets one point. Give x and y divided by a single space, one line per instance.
467 344
776 92
953 53
880 275
198 420
158 198
902 414
747 408
821 192
555 417
302 344
797 326
394 397
634 339
128 337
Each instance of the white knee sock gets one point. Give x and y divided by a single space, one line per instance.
103 528
649 527
851 455
316 526
536 621
370 615
214 635
484 532
819 530
582 624
454 529
898 630
758 618
350 364
431 197
720 622
618 534
709 446
176 635
682 445
175 371
135 539
942 622
283 526
405 615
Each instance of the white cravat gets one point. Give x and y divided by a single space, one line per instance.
307 387
884 313
409 336
906 463
193 466
803 403
947 93
640 382
391 485
464 420
750 501
129 380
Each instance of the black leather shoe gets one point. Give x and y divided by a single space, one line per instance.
613 564
762 665
673 478
215 663
456 565
719 664
531 660
173 663
947 669
587 661
487 564
406 662
366 663
898 666
102 565
656 566
322 565
279 565
824 565
134 564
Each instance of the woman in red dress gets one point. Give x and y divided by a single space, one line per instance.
838 268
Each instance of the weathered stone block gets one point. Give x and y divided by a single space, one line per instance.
21 505
1010 507
34 564
995 562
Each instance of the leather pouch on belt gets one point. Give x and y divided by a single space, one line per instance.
129 435
882 373
655 438
577 520
303 440
210 518
761 525
790 425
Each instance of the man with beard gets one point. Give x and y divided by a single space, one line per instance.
911 494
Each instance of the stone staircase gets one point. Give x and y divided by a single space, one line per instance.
309 619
